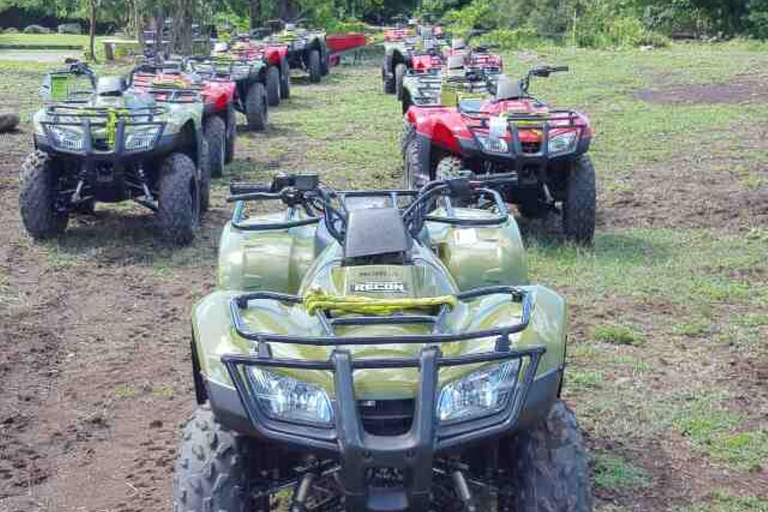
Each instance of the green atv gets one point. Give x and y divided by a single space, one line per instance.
307 48
96 141
378 351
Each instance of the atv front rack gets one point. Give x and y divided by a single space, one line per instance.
360 452
298 217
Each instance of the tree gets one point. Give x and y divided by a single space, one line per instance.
92 29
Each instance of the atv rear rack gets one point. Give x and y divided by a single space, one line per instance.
413 452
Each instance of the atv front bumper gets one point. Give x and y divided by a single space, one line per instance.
361 452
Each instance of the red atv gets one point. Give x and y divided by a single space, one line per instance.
272 56
512 132
218 94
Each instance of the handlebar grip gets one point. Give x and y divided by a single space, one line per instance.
560 69
237 189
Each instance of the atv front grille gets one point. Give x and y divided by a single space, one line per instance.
531 147
386 417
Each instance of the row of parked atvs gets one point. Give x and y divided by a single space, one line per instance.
462 113
158 135
363 351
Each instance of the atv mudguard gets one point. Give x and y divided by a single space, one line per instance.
437 127
275 54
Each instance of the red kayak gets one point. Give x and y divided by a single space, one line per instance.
343 42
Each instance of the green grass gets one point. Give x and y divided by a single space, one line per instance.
615 473
44 40
618 335
723 501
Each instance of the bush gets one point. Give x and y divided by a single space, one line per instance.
344 27
758 18
511 39
11 30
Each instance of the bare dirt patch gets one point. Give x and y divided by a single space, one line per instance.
742 89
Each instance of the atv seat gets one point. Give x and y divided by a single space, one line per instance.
376 236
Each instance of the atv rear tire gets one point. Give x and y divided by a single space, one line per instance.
216 135
179 199
315 73
273 86
406 136
580 202
214 468
285 79
549 466
325 63
414 175
256 108
388 83
37 198
231 135
204 179
399 75
449 167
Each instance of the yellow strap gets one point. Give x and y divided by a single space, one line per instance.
319 299
113 115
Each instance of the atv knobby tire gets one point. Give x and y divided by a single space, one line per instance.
580 202
406 136
256 109
399 75
414 175
387 81
37 198
325 63
216 135
231 134
285 79
448 167
313 65
549 467
179 199
273 86
213 469
204 178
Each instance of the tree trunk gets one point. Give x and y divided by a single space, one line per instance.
254 11
92 32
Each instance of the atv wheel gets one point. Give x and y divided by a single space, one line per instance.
86 207
285 79
388 83
399 75
179 199
415 176
273 86
550 469
213 469
315 73
406 136
205 176
256 107
37 198
231 135
216 135
579 205
325 63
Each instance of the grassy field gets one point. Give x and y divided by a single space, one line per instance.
668 365
43 40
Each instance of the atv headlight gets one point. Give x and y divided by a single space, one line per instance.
66 138
562 143
141 137
286 399
493 144
479 394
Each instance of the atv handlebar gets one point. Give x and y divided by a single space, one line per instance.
305 193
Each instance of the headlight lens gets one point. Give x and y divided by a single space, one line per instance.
479 393
562 143
141 137
493 144
287 399
66 138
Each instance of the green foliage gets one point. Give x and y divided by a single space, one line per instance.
618 335
758 18
511 39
